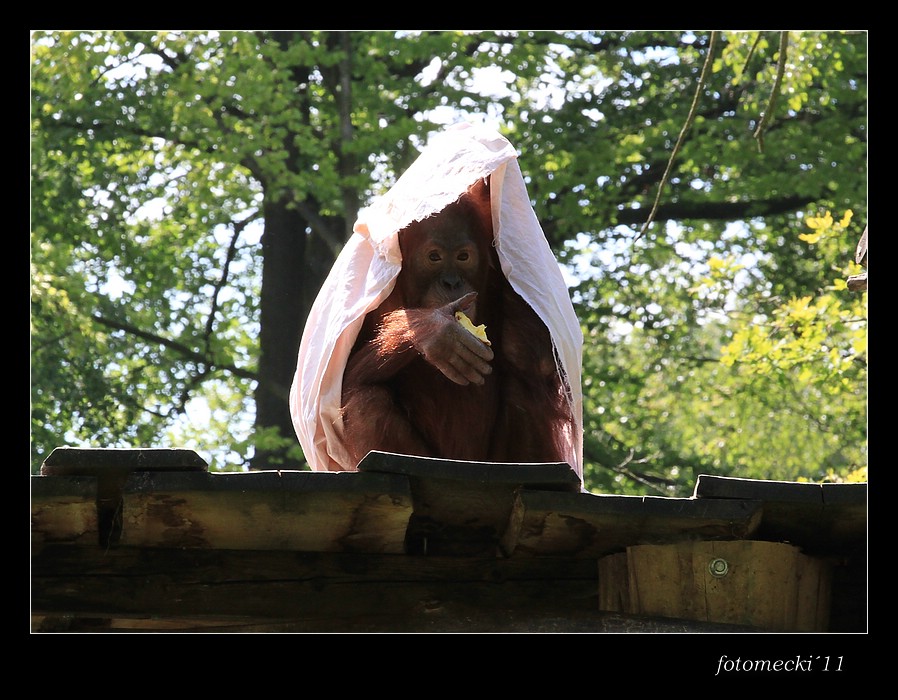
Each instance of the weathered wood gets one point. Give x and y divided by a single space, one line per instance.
451 618
64 509
860 253
848 612
128 589
68 461
328 591
257 510
858 283
614 583
407 544
463 508
306 511
766 585
821 518
454 518
551 476
590 525
112 467
707 486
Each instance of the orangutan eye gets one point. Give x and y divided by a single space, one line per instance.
433 256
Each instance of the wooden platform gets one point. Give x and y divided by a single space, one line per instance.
132 540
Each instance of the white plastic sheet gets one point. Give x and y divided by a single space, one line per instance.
366 269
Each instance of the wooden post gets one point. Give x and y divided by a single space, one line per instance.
766 585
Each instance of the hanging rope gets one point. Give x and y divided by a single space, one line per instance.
689 119
767 114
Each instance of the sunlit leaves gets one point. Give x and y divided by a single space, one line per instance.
711 346
151 152
793 339
826 331
825 225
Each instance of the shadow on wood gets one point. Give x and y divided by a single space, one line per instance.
409 544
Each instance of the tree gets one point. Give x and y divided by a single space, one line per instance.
222 131
660 408
191 190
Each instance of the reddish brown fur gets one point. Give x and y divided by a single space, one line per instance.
510 406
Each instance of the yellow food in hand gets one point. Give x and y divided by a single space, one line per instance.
479 331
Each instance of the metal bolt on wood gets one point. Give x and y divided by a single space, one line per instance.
718 567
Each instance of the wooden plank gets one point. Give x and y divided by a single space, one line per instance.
814 583
821 518
268 510
614 583
463 508
111 467
592 525
94 461
849 609
554 476
454 517
64 509
452 618
127 589
766 585
708 486
298 510
326 591
191 543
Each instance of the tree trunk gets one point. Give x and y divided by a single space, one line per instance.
283 311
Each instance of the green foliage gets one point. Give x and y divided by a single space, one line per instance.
660 406
721 341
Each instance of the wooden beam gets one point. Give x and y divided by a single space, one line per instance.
299 510
765 585
326 591
463 508
68 461
591 525
545 476
64 509
828 519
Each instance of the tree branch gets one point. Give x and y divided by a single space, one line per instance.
719 211
223 278
173 345
658 484
695 211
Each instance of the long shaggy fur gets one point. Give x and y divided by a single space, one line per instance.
394 400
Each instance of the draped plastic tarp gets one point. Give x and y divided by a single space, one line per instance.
365 272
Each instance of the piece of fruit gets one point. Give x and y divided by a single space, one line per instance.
478 331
